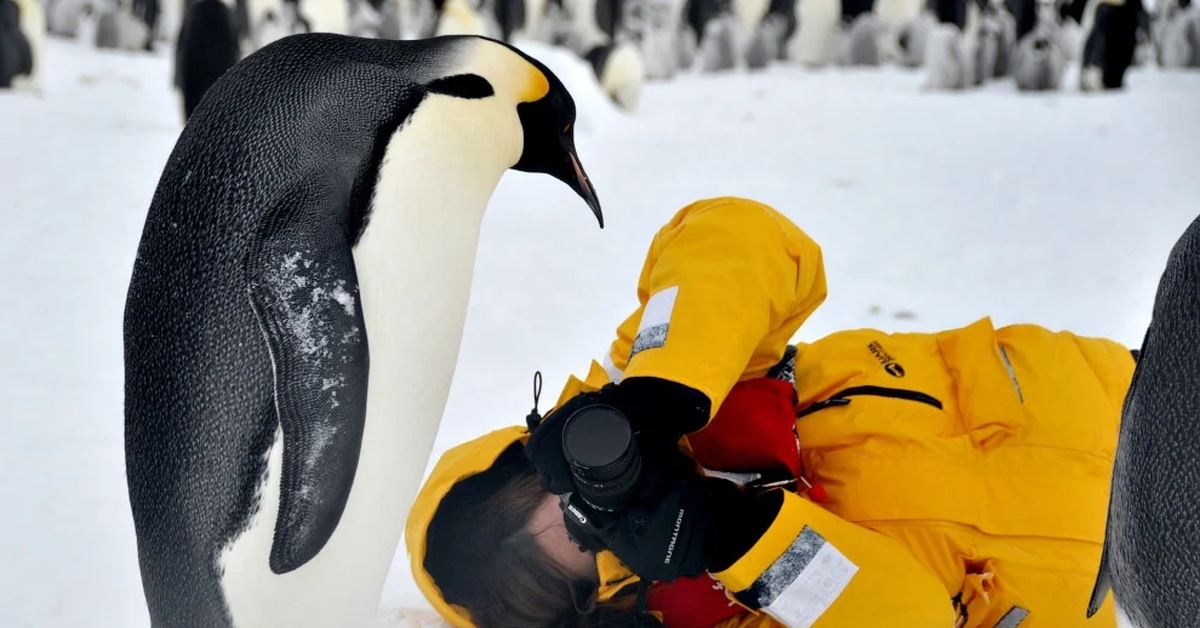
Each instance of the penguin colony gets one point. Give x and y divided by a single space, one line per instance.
956 44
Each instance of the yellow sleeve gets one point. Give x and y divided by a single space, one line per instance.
725 285
812 568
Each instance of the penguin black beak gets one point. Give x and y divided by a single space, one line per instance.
578 181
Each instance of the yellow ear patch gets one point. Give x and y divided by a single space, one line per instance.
536 86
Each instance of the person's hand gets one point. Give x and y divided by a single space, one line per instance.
679 524
659 411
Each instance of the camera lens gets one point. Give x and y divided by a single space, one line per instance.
600 447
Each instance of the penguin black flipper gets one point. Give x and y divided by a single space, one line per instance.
1104 573
1103 580
303 287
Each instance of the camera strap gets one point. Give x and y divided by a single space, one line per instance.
534 418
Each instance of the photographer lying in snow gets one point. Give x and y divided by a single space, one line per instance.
957 478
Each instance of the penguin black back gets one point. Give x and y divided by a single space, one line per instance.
1151 558
206 49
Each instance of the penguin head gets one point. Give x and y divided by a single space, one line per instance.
544 107
549 125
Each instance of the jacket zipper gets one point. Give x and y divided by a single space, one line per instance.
840 398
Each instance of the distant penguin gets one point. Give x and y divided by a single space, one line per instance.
118 28
620 71
718 46
698 13
16 58
816 38
998 37
26 45
945 62
148 11
769 42
859 42
913 39
1179 38
458 17
1151 556
892 16
750 14
654 25
1070 39
170 19
390 21
325 197
510 17
1110 38
1038 62
207 47
326 16
266 21
62 17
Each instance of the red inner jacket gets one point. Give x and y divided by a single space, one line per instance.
753 431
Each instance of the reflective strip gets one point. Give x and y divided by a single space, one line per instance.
615 375
1012 618
1012 375
741 479
802 583
656 320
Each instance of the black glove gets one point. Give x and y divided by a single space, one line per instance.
679 524
659 411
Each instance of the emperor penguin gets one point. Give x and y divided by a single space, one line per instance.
296 310
206 48
325 16
619 69
1178 26
816 39
893 16
1110 30
1151 555
459 17
1039 58
22 33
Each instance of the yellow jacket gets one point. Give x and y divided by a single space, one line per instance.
974 496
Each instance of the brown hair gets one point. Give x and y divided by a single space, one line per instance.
484 558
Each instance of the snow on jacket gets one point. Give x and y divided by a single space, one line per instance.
966 470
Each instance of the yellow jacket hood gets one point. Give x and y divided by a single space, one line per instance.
457 464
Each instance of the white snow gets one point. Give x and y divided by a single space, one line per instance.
933 210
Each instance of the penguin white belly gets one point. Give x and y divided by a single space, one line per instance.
326 16
458 18
270 21
623 76
893 16
814 42
33 25
750 14
535 10
415 265
170 19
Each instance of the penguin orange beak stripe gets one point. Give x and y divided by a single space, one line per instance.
583 186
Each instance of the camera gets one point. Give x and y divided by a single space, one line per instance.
599 445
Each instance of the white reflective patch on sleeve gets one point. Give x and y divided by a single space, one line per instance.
800 602
615 375
656 321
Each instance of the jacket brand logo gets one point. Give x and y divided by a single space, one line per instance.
889 363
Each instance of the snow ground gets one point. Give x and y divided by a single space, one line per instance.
933 210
